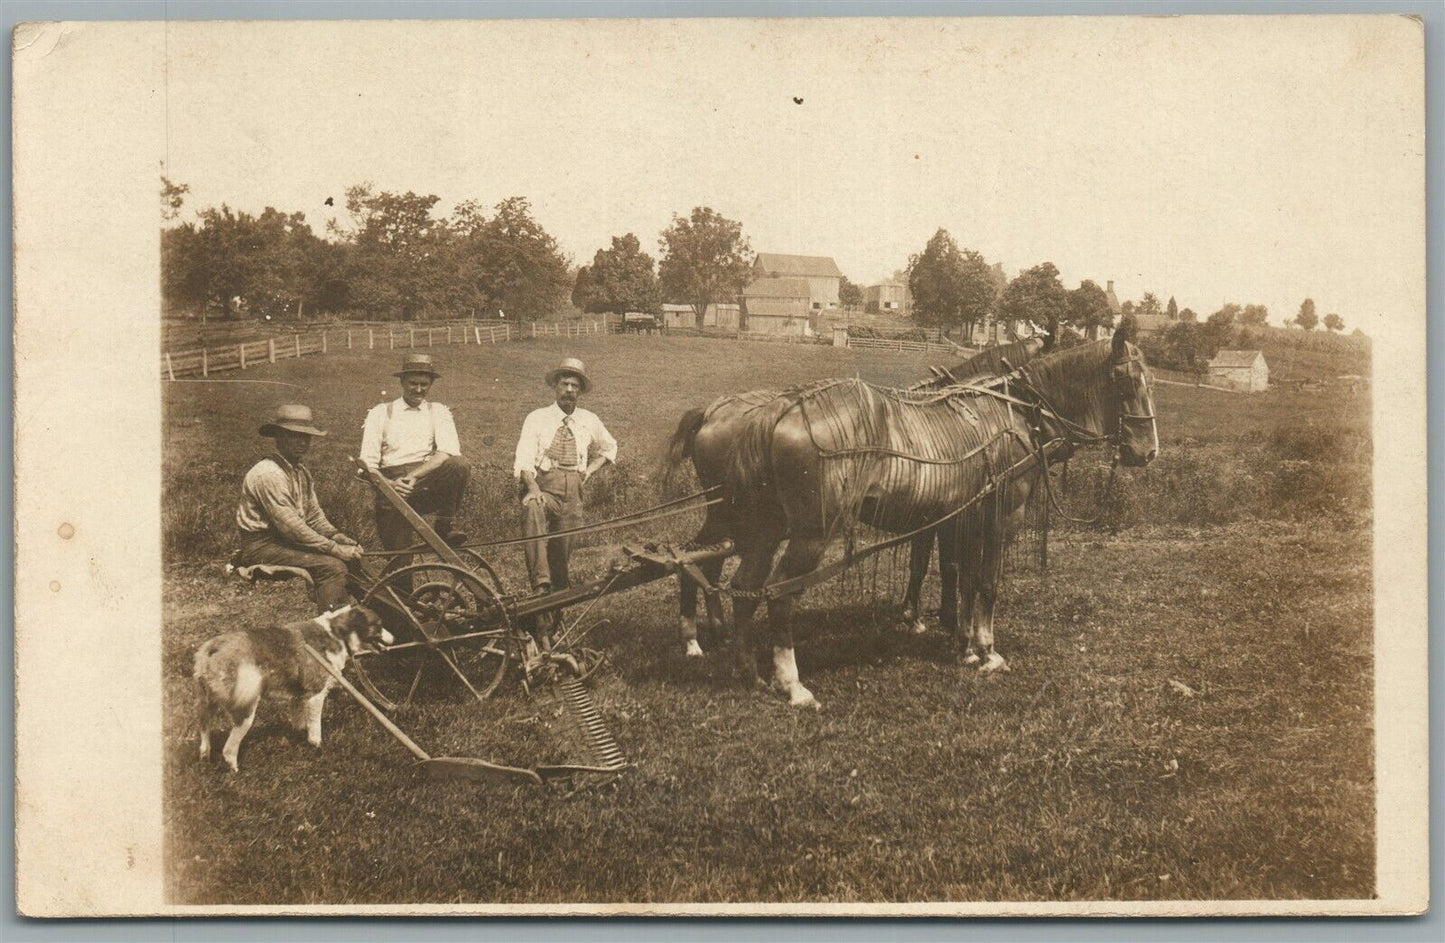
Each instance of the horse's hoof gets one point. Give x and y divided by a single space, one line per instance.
802 698
694 650
916 627
995 663
971 658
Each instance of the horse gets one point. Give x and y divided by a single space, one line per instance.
985 365
707 435
841 451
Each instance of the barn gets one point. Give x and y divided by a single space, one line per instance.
777 306
1243 370
819 272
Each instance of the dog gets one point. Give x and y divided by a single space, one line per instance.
235 671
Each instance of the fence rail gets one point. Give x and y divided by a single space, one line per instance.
883 343
205 361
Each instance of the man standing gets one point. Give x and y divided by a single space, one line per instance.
413 442
280 520
561 446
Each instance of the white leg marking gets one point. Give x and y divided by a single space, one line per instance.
785 676
687 627
231 751
994 663
313 718
694 650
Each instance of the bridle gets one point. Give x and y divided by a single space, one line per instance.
1124 383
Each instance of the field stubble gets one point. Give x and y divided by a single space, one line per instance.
1189 712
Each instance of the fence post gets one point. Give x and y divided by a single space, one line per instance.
271 348
370 339
205 369
170 369
477 332
241 353
449 335
391 338
323 342
413 337
348 338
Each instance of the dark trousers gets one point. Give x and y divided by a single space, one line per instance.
439 493
328 573
559 509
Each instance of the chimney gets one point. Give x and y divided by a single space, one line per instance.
1111 285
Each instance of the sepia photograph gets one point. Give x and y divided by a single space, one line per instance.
795 466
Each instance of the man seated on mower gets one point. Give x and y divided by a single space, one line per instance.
281 522
413 442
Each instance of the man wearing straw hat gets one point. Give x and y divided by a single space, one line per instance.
561 446
280 520
413 441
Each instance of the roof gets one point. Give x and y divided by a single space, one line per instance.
678 308
777 288
1152 322
1235 358
806 266
885 285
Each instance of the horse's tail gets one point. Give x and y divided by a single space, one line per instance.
679 447
751 464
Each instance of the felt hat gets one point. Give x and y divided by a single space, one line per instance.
418 363
293 417
573 366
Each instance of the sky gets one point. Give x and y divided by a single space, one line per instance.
1245 159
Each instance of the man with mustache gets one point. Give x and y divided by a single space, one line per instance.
561 446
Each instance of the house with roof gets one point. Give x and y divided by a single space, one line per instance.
776 305
884 298
1112 299
723 317
1243 370
820 272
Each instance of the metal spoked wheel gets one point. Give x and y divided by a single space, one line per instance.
449 623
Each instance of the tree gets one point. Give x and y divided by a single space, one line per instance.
1089 309
1254 314
1172 310
849 294
1188 315
173 195
620 279
1219 329
705 259
1333 322
508 261
1307 318
400 259
582 288
951 287
1037 295
1149 306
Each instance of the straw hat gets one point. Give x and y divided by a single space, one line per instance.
292 417
418 363
573 366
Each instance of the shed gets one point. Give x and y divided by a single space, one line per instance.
883 297
678 316
1243 370
777 305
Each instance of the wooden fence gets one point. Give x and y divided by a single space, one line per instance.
921 347
389 336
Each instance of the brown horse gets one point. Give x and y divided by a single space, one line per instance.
707 435
841 451
985 365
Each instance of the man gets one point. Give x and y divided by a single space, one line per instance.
413 442
280 520
562 445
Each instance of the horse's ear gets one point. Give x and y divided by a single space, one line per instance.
1121 341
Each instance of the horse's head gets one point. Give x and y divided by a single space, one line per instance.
1138 435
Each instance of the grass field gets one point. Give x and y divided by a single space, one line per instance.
1189 713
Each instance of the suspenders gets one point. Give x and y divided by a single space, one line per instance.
431 414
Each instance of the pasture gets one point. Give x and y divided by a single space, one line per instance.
1189 713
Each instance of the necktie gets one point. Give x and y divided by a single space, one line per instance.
563 449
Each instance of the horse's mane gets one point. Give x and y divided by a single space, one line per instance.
1074 381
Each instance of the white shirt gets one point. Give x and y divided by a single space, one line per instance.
397 434
540 427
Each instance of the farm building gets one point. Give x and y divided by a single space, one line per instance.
723 317
819 272
1239 370
777 306
1152 323
1113 299
885 296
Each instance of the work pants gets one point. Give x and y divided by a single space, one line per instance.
328 573
439 493
559 509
